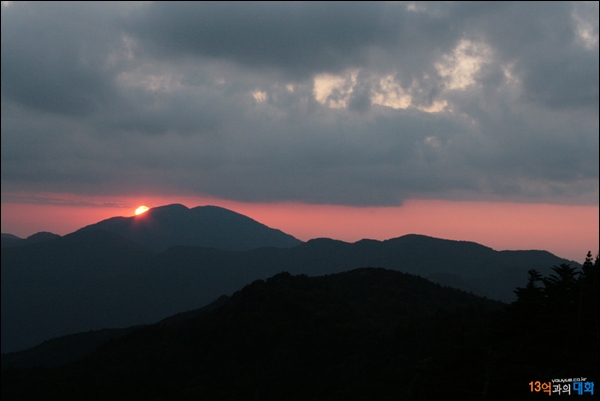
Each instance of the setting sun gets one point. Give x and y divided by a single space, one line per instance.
141 210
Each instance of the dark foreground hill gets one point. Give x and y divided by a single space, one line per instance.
93 279
290 337
209 226
367 333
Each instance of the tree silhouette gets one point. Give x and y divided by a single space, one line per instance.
552 327
533 293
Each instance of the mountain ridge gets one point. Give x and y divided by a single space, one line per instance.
411 296
91 278
212 226
363 333
10 240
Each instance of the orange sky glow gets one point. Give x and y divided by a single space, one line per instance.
567 231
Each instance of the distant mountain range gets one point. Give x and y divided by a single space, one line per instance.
138 270
210 226
9 240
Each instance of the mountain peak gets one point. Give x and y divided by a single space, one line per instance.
174 207
10 240
42 236
209 226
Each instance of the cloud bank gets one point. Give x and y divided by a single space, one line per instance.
350 104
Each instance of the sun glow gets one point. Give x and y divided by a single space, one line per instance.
141 210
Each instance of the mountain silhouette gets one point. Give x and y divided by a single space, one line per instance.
209 226
58 287
9 240
275 335
93 279
365 333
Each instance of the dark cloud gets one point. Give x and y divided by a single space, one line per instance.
363 104
299 38
55 57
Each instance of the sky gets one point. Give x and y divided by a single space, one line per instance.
467 121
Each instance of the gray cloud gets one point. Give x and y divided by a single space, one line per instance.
321 103
55 57
300 38
544 46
